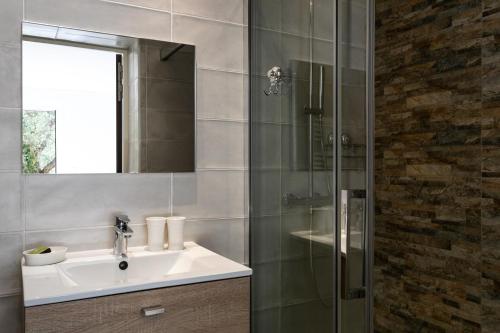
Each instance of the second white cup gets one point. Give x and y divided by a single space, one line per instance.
175 225
156 233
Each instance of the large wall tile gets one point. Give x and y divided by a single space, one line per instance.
153 4
175 126
267 145
11 313
92 200
101 16
178 154
354 29
297 48
169 95
10 77
246 144
267 14
224 10
223 236
10 139
209 194
223 50
265 192
246 240
74 239
312 316
78 239
267 51
179 68
11 17
265 243
295 17
221 95
292 248
264 109
11 247
323 24
247 192
220 144
266 285
10 202
246 50
267 320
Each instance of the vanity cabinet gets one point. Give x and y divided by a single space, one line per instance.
218 307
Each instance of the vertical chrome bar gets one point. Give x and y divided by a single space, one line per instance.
370 144
346 197
310 157
321 87
310 116
311 35
337 159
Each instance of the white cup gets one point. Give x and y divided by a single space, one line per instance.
156 232
175 225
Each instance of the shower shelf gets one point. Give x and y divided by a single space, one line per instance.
348 146
344 155
293 200
343 169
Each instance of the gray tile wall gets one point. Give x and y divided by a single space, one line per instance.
77 210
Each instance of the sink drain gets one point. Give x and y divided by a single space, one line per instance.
123 265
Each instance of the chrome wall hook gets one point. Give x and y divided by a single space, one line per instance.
275 76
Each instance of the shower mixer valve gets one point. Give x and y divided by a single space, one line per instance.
275 76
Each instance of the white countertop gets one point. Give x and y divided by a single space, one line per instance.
95 273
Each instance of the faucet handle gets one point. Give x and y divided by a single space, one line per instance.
121 221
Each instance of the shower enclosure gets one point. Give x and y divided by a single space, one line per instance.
311 165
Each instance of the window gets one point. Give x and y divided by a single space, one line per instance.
70 113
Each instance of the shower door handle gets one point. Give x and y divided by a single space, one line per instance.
352 245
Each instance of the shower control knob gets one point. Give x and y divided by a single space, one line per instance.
346 139
331 139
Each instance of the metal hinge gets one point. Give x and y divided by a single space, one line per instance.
119 83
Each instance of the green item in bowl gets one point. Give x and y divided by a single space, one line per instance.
41 250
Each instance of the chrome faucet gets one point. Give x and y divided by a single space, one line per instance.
122 233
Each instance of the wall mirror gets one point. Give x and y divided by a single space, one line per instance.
100 103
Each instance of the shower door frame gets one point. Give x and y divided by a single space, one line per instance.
369 162
370 155
370 159
336 172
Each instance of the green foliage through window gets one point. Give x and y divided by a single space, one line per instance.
39 141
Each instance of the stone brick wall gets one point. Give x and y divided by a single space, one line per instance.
437 229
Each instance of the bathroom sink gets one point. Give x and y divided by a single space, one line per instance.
96 273
105 272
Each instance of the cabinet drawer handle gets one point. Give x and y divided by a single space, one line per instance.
153 311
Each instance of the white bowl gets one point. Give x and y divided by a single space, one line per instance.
57 254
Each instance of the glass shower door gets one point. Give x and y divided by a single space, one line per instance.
308 166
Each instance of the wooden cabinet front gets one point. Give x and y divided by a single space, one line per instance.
218 307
